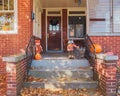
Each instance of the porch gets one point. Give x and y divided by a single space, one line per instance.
103 67
56 72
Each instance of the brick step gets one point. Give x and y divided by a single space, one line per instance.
65 84
62 72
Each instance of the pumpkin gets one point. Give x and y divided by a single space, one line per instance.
38 56
97 47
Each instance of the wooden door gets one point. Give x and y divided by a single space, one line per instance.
54 33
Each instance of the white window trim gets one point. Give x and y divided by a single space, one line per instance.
54 9
15 31
75 9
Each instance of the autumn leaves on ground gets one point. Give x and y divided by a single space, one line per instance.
71 92
46 92
2 84
29 91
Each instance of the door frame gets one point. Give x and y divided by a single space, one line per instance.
52 9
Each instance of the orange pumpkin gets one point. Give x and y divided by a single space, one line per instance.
38 56
97 47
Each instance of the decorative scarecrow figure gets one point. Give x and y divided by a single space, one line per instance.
70 48
38 50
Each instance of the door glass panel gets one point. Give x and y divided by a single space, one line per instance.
54 26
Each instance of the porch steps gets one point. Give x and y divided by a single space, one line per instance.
60 74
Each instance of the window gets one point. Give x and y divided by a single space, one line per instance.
7 17
104 17
76 23
77 26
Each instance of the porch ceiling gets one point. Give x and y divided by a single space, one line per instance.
62 3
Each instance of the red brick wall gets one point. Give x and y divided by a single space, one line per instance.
16 73
12 44
108 43
105 72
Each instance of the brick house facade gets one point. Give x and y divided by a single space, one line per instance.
12 44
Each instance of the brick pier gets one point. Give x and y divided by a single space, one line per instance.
105 70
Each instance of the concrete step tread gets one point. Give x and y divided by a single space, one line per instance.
55 73
60 63
62 84
54 81
59 79
55 59
41 68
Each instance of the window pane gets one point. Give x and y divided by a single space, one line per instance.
5 4
99 15
11 4
71 30
6 21
116 15
79 30
0 4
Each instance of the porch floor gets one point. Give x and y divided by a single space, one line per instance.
55 55
60 55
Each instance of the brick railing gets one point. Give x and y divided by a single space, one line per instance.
16 68
105 72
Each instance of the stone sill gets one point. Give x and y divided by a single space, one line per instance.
106 57
14 58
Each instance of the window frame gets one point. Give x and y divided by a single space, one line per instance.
15 11
77 10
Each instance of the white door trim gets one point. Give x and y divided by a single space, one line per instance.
47 32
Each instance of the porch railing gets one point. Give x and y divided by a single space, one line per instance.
30 50
90 55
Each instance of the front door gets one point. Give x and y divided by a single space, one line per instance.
54 33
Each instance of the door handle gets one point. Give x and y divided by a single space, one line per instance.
47 35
